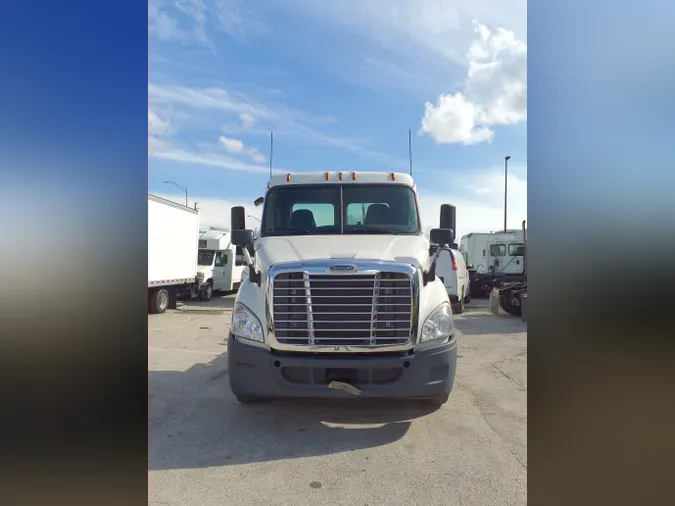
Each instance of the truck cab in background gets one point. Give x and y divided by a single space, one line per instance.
492 255
342 298
219 262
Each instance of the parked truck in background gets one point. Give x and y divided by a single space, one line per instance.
173 232
342 297
220 263
492 256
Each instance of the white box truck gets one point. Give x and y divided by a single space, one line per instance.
220 262
342 298
173 232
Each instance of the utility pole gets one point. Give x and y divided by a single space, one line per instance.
506 170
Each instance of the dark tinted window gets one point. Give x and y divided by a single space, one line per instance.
205 257
498 250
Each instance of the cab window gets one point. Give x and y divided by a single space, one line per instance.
221 259
498 250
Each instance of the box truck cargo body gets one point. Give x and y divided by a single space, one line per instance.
173 233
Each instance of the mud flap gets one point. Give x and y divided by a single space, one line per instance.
494 301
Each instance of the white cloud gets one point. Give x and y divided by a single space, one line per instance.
418 28
165 151
238 21
232 145
236 146
282 120
157 125
495 92
247 120
259 158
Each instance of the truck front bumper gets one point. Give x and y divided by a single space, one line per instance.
257 372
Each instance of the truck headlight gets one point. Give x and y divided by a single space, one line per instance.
245 324
438 324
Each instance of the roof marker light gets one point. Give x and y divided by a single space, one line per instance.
393 176
288 178
340 176
353 176
327 175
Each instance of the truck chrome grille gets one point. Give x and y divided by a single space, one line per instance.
343 310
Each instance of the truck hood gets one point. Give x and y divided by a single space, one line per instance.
413 250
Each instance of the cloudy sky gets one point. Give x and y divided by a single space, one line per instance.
340 84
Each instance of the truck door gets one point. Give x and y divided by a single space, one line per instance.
515 258
220 268
497 254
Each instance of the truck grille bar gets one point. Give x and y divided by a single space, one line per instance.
343 310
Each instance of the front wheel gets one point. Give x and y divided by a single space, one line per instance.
206 293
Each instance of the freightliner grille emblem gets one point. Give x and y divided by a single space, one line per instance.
342 268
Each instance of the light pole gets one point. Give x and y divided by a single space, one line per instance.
254 217
184 189
506 170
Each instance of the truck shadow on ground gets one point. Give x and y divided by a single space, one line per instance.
196 422
481 324
220 301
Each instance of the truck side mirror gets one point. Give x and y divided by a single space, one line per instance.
238 218
442 236
243 238
454 246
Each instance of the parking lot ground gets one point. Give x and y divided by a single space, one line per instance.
207 449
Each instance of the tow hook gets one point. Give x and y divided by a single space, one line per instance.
345 387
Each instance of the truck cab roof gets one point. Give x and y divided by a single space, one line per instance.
340 177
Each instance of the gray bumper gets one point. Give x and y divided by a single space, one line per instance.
257 372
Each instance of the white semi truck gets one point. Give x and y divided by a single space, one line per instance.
173 231
342 297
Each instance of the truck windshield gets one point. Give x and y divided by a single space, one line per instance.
340 209
205 257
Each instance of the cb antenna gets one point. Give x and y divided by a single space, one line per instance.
410 149
271 151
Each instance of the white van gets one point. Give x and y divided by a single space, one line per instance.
452 270
219 262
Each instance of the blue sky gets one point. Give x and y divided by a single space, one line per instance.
340 84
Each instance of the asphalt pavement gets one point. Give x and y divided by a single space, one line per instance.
207 449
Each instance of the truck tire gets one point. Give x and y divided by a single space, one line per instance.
159 301
206 293
459 307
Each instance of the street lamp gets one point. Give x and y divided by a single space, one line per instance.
254 217
179 186
506 169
